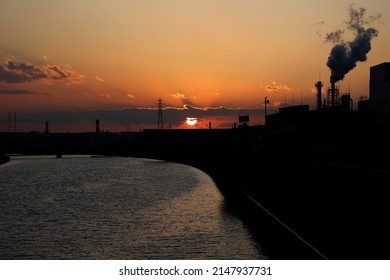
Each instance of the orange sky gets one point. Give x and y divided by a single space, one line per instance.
68 56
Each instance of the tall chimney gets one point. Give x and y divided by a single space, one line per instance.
332 94
319 86
46 127
97 126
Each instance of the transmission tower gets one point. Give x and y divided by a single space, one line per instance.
160 124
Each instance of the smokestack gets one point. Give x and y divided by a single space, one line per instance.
319 86
46 127
332 92
97 126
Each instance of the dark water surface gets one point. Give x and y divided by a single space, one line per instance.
82 207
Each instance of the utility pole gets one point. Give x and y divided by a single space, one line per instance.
160 124
266 101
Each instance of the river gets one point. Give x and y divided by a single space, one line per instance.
91 207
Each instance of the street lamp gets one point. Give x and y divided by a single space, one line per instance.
266 101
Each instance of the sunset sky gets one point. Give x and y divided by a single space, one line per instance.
71 62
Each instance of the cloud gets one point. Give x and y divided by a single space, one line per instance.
21 92
19 73
99 79
276 87
185 99
16 91
277 104
64 72
131 96
104 94
191 107
15 71
178 95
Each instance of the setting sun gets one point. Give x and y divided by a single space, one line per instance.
191 121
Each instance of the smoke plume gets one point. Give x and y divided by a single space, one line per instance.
344 55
